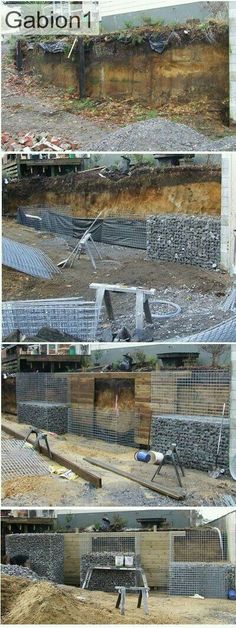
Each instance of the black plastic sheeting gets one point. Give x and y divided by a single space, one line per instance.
121 232
53 47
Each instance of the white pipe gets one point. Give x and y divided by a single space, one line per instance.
232 441
221 541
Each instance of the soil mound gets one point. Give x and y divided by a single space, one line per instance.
27 602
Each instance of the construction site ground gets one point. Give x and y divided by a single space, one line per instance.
201 489
29 106
198 292
27 602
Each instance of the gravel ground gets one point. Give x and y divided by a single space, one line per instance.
161 134
23 572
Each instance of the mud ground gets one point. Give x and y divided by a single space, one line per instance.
27 602
198 292
201 489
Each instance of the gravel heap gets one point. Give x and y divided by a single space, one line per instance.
22 572
161 134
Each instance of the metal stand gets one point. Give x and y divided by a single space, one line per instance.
142 308
40 436
87 245
142 598
172 456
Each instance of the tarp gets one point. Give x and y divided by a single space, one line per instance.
122 232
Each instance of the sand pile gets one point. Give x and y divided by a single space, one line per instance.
44 603
11 587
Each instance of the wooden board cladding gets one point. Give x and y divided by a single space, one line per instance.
143 406
72 558
152 546
82 390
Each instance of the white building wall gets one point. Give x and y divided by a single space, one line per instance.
118 7
232 448
231 536
232 60
228 210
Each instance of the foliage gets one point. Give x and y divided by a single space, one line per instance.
215 352
97 355
140 358
152 360
148 21
86 361
118 523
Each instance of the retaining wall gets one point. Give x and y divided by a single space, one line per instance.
196 439
45 551
209 580
107 580
184 239
44 415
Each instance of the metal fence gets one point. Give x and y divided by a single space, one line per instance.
191 392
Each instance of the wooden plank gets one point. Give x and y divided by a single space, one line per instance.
122 288
86 474
175 493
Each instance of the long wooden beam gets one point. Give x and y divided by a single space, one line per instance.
175 493
86 474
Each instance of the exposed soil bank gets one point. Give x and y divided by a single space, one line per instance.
193 190
125 66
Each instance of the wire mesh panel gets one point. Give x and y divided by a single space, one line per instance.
191 392
72 316
198 564
27 259
17 461
125 232
42 387
109 426
109 560
224 332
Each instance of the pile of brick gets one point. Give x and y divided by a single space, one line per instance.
25 143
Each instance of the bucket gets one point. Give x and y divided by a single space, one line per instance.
142 456
156 457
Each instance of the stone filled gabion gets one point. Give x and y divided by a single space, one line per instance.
184 239
196 440
45 551
107 580
44 415
211 580
22 572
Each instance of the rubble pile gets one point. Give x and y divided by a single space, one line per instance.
28 142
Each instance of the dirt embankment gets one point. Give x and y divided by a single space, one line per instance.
194 190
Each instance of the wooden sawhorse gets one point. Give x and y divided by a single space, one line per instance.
142 295
142 598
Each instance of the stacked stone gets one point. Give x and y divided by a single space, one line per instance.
18 571
45 552
211 580
107 580
44 415
184 239
196 440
